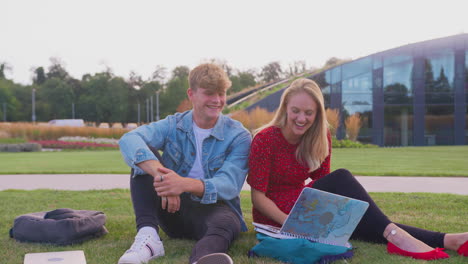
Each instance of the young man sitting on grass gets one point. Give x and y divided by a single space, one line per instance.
193 191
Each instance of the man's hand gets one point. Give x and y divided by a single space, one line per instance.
168 183
170 203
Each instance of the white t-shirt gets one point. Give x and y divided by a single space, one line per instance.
200 134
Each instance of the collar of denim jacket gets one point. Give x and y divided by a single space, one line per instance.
186 124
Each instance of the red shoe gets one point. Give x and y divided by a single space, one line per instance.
463 249
437 253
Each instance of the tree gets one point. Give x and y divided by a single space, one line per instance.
39 76
135 80
54 99
297 67
181 72
223 64
12 105
271 72
93 102
159 74
3 68
333 61
57 70
247 79
175 91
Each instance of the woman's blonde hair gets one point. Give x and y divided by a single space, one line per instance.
313 147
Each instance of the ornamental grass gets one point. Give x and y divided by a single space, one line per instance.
32 131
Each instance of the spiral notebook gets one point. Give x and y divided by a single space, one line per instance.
320 216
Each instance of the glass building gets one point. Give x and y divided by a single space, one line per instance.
414 95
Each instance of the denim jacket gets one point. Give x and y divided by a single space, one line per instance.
224 161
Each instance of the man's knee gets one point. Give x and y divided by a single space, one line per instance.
227 225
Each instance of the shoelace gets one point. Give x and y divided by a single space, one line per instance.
140 242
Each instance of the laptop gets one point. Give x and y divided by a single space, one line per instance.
321 217
62 257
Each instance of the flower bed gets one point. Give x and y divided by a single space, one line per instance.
58 144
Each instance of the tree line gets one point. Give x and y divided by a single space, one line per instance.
106 97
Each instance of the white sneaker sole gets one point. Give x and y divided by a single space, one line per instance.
215 258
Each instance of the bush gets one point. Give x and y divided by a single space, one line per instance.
253 119
22 147
346 143
353 125
57 144
333 118
12 140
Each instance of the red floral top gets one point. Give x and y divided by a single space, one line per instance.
274 170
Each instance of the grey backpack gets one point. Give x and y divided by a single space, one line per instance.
61 226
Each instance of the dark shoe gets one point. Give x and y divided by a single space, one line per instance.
215 258
463 249
437 253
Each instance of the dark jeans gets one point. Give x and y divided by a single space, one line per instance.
374 221
214 226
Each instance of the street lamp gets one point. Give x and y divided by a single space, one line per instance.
157 105
33 117
151 100
139 122
147 110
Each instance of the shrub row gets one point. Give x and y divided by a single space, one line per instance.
57 144
346 143
22 147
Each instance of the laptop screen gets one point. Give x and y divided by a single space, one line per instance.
62 257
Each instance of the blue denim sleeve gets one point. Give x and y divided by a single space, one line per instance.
134 144
227 182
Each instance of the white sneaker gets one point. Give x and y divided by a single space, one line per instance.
215 258
144 249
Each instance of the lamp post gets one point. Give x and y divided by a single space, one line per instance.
147 110
157 105
151 107
33 117
138 114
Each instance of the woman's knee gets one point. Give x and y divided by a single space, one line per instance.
342 173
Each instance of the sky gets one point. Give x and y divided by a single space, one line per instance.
89 36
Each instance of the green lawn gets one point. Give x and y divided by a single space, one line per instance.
414 209
63 162
407 161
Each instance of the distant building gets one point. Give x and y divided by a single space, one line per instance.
414 95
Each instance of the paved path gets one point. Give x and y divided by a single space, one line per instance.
456 185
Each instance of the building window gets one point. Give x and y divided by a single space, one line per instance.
397 83
357 98
439 77
356 68
398 125
336 75
439 125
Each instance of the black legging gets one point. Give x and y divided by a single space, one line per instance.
374 221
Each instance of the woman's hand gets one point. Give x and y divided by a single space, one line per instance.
267 207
